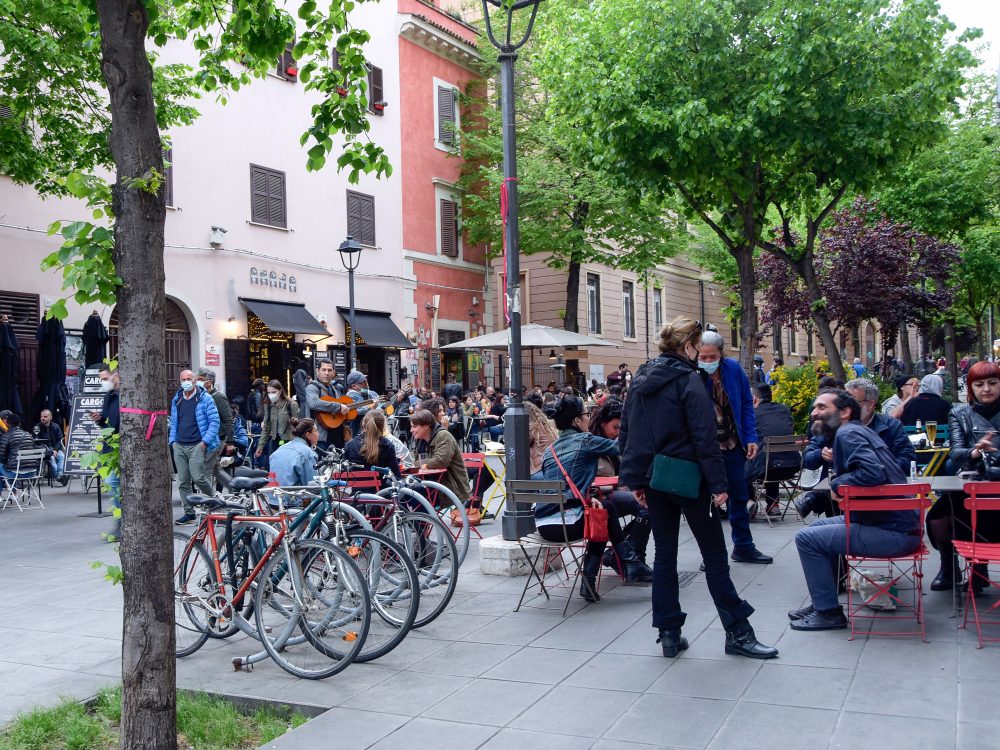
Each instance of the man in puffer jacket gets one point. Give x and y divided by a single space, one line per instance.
194 433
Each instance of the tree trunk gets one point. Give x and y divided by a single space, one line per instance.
905 353
148 662
808 273
571 321
951 357
748 305
980 338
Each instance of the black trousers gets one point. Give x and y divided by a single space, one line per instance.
617 504
665 519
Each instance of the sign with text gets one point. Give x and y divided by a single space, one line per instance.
92 380
83 433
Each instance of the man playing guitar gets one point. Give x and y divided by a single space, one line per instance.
315 391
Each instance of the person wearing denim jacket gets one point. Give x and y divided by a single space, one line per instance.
578 452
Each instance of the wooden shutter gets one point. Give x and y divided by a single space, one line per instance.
446 114
267 196
354 215
168 177
449 229
6 111
286 62
368 220
376 91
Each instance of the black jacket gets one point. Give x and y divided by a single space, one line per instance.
773 420
669 411
453 390
386 454
966 427
927 407
52 435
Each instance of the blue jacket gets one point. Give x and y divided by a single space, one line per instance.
862 459
206 413
890 430
737 387
294 463
578 452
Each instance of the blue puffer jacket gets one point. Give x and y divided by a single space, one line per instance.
737 386
206 413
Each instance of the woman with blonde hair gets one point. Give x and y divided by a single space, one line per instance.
672 462
370 447
541 434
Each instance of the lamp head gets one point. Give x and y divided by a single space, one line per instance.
350 253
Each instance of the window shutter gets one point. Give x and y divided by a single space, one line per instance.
376 92
168 177
6 111
368 220
446 115
267 197
354 215
287 67
449 229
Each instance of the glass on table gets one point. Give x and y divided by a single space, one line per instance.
931 428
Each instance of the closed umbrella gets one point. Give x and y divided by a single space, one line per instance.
95 340
52 392
9 368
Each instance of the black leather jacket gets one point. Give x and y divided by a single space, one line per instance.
965 429
669 411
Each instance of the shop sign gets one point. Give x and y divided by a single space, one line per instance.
260 276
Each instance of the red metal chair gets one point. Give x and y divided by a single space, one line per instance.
906 569
981 496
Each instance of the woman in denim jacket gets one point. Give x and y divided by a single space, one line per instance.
578 452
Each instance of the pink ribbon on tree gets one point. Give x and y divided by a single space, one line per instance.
151 414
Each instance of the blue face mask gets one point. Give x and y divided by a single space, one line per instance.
709 367
186 385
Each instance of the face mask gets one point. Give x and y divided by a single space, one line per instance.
107 386
691 357
272 396
186 385
709 367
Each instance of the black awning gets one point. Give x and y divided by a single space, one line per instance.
377 329
286 317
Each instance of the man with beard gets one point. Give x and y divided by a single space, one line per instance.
860 458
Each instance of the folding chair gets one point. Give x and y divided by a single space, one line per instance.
787 478
528 492
981 496
907 569
25 484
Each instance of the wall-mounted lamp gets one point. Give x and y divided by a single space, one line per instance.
217 236
430 308
231 326
552 354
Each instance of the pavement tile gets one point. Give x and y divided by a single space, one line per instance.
911 656
822 649
679 720
916 695
337 689
580 635
752 726
619 672
520 739
976 737
805 687
410 693
856 730
977 701
498 702
560 711
549 666
465 659
345 729
515 630
441 735
607 744
451 626
707 678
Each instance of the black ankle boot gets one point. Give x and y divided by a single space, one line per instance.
980 578
636 571
949 576
638 536
588 585
672 642
741 641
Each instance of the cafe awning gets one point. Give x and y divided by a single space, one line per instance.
377 329
287 317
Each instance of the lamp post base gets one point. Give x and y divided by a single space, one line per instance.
517 524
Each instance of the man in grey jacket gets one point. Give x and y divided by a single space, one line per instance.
323 386
206 379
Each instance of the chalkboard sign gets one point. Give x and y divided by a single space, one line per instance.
92 380
340 363
435 371
83 432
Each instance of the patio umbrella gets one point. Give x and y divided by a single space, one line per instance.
533 336
9 369
95 340
52 392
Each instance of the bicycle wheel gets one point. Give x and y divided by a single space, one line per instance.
312 609
393 585
194 586
446 502
431 547
249 541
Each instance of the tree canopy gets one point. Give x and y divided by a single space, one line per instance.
744 105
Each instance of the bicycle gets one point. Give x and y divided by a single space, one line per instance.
310 597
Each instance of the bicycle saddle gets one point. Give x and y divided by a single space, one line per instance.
240 484
211 503
244 472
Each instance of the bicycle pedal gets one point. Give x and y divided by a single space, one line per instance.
350 636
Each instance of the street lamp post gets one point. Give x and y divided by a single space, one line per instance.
517 522
350 256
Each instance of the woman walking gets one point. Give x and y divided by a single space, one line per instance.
276 420
669 413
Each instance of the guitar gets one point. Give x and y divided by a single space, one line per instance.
332 421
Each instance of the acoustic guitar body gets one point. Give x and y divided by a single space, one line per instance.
333 421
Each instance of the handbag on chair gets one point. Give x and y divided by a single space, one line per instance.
595 519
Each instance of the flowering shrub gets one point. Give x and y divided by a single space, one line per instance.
796 388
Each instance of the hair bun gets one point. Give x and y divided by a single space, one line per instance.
295 422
